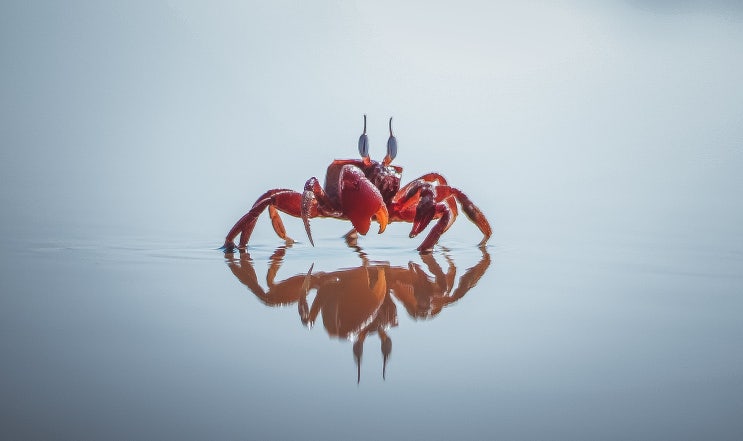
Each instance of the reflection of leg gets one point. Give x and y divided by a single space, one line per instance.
320 298
386 316
451 273
278 293
276 259
386 349
470 277
245 273
444 282
358 351
351 238
303 307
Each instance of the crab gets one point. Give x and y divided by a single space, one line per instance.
364 190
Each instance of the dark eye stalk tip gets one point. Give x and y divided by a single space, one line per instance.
391 146
364 142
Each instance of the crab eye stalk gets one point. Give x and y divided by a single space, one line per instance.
364 142
391 146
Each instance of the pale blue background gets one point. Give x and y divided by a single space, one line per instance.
604 142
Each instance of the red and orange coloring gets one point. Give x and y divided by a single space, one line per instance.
363 190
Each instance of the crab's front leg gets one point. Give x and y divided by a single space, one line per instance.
420 205
314 198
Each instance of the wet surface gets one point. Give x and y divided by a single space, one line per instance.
602 142
184 341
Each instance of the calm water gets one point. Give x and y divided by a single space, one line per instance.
601 339
603 142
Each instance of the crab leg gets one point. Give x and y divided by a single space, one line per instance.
437 230
471 276
278 225
422 195
284 200
444 281
433 177
313 196
437 179
410 196
474 214
294 289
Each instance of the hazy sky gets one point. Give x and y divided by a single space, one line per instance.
149 116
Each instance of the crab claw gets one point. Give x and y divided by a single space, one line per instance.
361 201
424 212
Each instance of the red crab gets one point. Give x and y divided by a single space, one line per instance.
362 190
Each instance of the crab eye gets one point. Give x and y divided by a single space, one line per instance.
364 142
391 144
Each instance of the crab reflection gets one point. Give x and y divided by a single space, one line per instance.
357 302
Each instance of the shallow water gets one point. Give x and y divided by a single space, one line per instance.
177 340
603 142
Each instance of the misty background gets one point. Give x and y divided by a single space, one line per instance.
603 141
160 118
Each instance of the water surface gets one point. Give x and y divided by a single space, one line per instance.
604 143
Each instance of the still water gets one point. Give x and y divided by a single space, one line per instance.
173 339
603 141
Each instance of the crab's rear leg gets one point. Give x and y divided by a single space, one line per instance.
284 200
443 191
474 214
